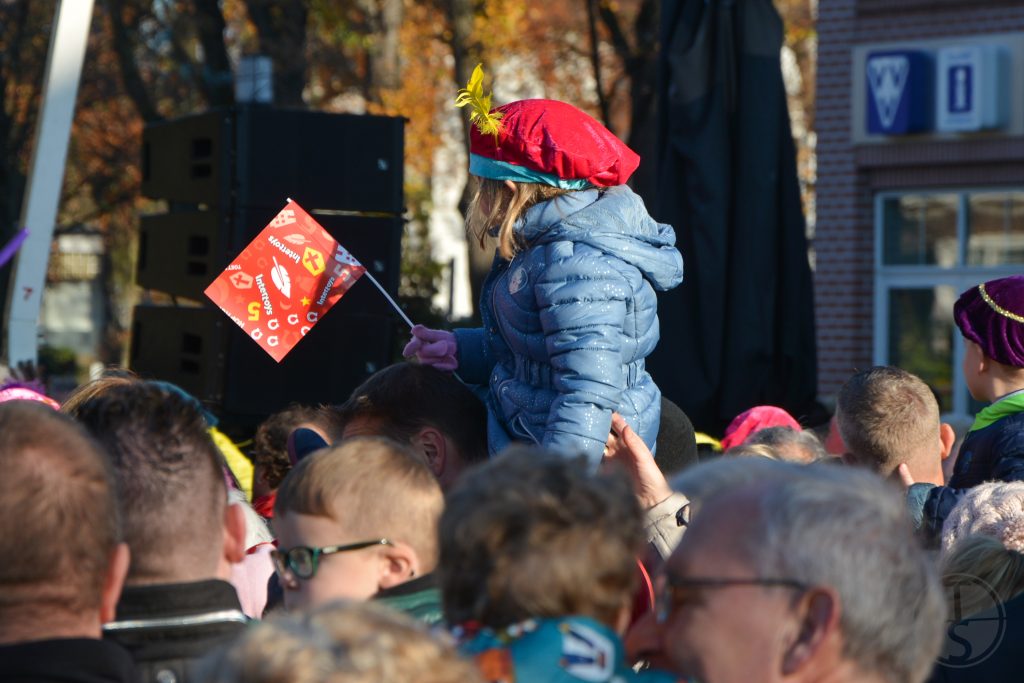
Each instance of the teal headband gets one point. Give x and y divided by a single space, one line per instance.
501 170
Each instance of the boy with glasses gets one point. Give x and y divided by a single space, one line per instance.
358 521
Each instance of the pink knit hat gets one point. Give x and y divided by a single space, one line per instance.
754 420
993 509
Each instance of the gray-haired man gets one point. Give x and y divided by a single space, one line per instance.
811 573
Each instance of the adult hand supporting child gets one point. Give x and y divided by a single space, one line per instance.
432 347
626 447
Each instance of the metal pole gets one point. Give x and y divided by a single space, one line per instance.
66 54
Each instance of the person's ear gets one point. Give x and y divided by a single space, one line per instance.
399 563
818 615
510 184
947 437
113 582
432 444
234 534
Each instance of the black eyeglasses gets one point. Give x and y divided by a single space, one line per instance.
674 592
303 562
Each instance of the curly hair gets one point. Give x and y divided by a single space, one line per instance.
533 534
270 443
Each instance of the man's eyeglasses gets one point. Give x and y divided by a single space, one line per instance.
303 562
676 590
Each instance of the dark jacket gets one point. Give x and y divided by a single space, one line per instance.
568 323
984 647
65 660
993 453
168 628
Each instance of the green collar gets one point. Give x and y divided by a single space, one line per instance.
1007 405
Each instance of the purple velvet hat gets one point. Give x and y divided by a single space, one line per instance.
992 316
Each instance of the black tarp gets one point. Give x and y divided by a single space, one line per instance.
739 331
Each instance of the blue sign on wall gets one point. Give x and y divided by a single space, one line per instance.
973 88
900 89
959 94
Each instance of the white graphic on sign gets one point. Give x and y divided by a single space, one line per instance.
887 77
586 654
960 89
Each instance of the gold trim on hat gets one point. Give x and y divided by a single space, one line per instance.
997 308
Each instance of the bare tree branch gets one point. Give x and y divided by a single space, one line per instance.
281 25
217 79
595 59
124 21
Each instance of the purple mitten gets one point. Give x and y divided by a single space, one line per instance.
432 347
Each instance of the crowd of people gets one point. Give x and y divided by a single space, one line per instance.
518 502
379 540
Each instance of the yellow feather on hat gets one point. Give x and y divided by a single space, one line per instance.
486 121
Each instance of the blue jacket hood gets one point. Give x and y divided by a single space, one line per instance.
614 221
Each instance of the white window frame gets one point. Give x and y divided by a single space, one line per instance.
960 277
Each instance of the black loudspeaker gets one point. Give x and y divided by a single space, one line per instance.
225 174
181 253
259 156
190 159
207 355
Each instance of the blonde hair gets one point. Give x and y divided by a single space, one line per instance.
340 643
374 487
979 572
494 204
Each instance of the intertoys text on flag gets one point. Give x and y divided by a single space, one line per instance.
285 280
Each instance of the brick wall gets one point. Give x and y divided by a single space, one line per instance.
848 177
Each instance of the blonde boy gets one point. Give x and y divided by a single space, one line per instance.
358 521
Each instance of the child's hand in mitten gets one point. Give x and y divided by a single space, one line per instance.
432 347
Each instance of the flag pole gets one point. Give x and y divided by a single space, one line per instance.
388 297
400 311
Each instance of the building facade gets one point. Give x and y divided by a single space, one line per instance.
920 186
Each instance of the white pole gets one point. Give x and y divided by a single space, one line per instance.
391 301
68 38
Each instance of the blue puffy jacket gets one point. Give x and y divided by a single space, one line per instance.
569 321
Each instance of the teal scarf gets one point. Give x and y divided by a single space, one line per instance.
1009 405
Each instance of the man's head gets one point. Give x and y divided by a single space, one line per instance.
171 488
59 528
887 416
533 534
816 571
368 492
428 409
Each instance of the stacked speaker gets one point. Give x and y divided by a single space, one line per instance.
224 175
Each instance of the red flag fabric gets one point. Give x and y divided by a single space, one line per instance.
285 281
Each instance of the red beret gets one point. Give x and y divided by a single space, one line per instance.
556 138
